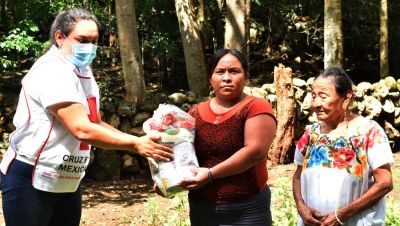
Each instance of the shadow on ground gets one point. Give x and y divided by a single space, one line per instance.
122 192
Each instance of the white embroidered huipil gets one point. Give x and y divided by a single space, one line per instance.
337 169
59 159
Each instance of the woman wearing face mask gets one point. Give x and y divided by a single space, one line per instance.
57 119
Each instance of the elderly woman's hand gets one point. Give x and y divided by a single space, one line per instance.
310 216
330 220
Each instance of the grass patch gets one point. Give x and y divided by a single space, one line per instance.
283 207
168 212
396 184
392 201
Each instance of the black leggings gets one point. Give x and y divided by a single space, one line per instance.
25 205
253 211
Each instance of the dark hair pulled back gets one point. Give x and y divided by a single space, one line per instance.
221 53
342 81
66 20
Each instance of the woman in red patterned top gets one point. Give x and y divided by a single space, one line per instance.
233 134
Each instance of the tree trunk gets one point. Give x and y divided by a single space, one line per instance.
203 27
282 148
384 44
162 64
333 37
3 16
200 13
86 4
192 47
112 37
236 25
394 37
208 31
12 8
219 28
247 30
130 51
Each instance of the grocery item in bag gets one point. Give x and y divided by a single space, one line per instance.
177 130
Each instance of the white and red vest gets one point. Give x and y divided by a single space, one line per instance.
59 160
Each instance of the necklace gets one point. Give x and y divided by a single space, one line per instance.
217 118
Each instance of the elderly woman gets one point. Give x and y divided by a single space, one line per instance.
343 161
233 134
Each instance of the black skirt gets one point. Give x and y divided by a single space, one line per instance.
253 211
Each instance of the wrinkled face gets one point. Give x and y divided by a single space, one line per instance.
228 78
326 102
85 31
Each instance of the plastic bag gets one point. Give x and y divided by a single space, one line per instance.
177 129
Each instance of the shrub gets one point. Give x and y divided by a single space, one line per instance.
20 45
175 214
283 207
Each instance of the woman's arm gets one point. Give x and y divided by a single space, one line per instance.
382 185
259 133
106 125
309 215
75 119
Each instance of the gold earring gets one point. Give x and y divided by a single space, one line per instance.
346 118
212 92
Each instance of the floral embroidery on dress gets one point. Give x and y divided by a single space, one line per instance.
376 134
303 140
318 157
341 152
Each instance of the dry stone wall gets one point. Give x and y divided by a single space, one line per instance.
379 101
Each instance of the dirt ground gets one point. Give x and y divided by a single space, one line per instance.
124 202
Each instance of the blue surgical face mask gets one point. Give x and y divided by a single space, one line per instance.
82 54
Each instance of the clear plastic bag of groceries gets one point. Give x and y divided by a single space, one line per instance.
177 130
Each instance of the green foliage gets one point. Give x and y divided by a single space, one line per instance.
107 20
361 35
392 213
20 44
6 63
41 12
174 215
392 203
284 30
18 38
154 213
283 207
281 31
179 216
257 2
158 28
53 8
160 43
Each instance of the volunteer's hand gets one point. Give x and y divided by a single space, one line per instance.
148 146
199 179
